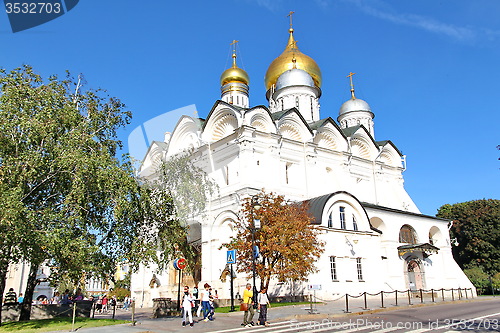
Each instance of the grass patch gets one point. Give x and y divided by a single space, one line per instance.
56 324
225 309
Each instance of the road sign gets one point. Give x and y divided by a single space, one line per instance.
255 251
180 263
231 257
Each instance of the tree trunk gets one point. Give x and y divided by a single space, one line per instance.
4 266
28 294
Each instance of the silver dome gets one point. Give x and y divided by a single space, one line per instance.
355 104
294 77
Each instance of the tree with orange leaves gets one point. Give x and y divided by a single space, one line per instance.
288 244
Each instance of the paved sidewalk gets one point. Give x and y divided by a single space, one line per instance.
232 320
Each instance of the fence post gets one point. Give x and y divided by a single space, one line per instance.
347 303
93 309
364 296
459 293
452 295
396 298
421 296
133 312
465 289
442 293
409 302
432 293
382 298
74 315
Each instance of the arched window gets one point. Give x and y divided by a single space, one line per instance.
342 217
408 235
354 223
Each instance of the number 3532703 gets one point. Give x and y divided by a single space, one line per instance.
32 8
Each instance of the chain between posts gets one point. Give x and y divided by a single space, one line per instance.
419 293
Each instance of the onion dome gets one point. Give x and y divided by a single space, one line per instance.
285 62
294 77
354 104
234 74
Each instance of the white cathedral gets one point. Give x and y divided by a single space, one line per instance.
375 237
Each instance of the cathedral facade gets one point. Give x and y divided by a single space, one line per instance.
376 239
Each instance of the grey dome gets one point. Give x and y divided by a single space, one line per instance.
355 104
294 77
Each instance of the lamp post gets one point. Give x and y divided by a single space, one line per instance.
255 206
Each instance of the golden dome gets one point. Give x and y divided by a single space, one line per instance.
234 74
286 62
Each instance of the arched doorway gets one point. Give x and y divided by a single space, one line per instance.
415 274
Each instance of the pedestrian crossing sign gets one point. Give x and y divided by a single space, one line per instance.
231 257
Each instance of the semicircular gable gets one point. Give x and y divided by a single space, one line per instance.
328 209
390 157
360 148
221 123
185 136
261 121
292 126
330 139
153 159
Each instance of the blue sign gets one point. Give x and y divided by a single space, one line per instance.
255 251
231 257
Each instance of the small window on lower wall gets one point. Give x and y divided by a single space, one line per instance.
360 269
333 268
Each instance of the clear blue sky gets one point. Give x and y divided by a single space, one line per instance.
429 69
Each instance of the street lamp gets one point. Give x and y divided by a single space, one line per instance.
255 206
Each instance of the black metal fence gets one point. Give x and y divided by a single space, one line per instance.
408 294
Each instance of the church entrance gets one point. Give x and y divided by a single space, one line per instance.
415 275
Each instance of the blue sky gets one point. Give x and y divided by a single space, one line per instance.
429 69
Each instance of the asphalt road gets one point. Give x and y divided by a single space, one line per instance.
467 317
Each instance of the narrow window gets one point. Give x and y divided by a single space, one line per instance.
227 175
342 217
359 268
231 100
354 223
333 268
286 173
237 99
297 102
312 109
330 221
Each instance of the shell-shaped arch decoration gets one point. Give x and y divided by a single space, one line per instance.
360 148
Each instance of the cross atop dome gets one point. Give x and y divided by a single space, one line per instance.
352 85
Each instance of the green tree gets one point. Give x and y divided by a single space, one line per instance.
288 243
479 279
190 188
69 201
476 226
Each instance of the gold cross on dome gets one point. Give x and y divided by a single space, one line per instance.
290 16
234 42
352 85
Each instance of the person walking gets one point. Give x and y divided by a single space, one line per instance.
249 312
126 303
20 299
187 306
205 301
10 297
263 302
